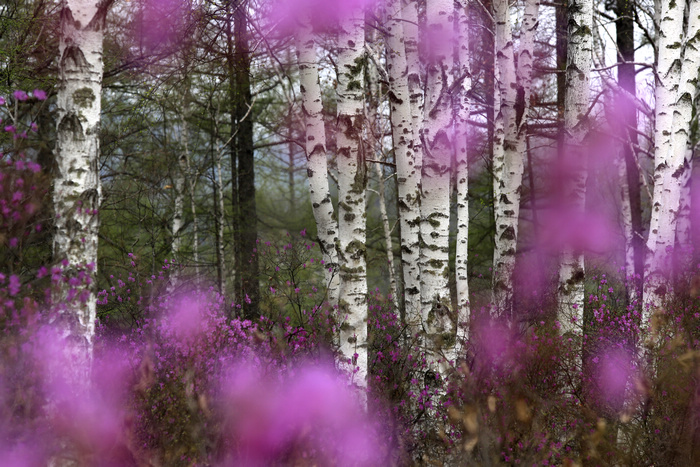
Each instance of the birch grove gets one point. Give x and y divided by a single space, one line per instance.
490 198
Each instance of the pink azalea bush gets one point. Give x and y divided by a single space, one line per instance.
178 378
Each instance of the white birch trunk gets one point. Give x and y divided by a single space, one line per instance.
77 189
407 170
675 90
576 128
438 142
513 88
178 211
462 109
317 164
352 181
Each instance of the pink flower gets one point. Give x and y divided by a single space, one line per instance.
14 285
39 94
20 95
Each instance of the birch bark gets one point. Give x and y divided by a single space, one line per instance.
352 181
407 169
462 110
438 146
675 97
576 128
513 86
176 228
77 189
317 164
411 166
683 229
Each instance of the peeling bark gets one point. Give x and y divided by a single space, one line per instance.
77 190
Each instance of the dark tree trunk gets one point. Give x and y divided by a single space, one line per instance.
231 67
626 78
562 24
243 142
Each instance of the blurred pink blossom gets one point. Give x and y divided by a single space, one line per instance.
288 14
312 412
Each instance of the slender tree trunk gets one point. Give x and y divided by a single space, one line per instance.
352 182
561 18
317 164
675 91
77 189
462 109
409 166
191 179
407 169
178 208
386 226
235 208
243 142
217 183
438 147
510 143
627 79
576 127
291 155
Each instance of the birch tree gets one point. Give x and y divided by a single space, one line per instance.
675 88
576 128
513 88
461 109
626 75
407 161
352 182
317 164
407 97
438 146
77 190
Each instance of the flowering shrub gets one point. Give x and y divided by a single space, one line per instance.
179 379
